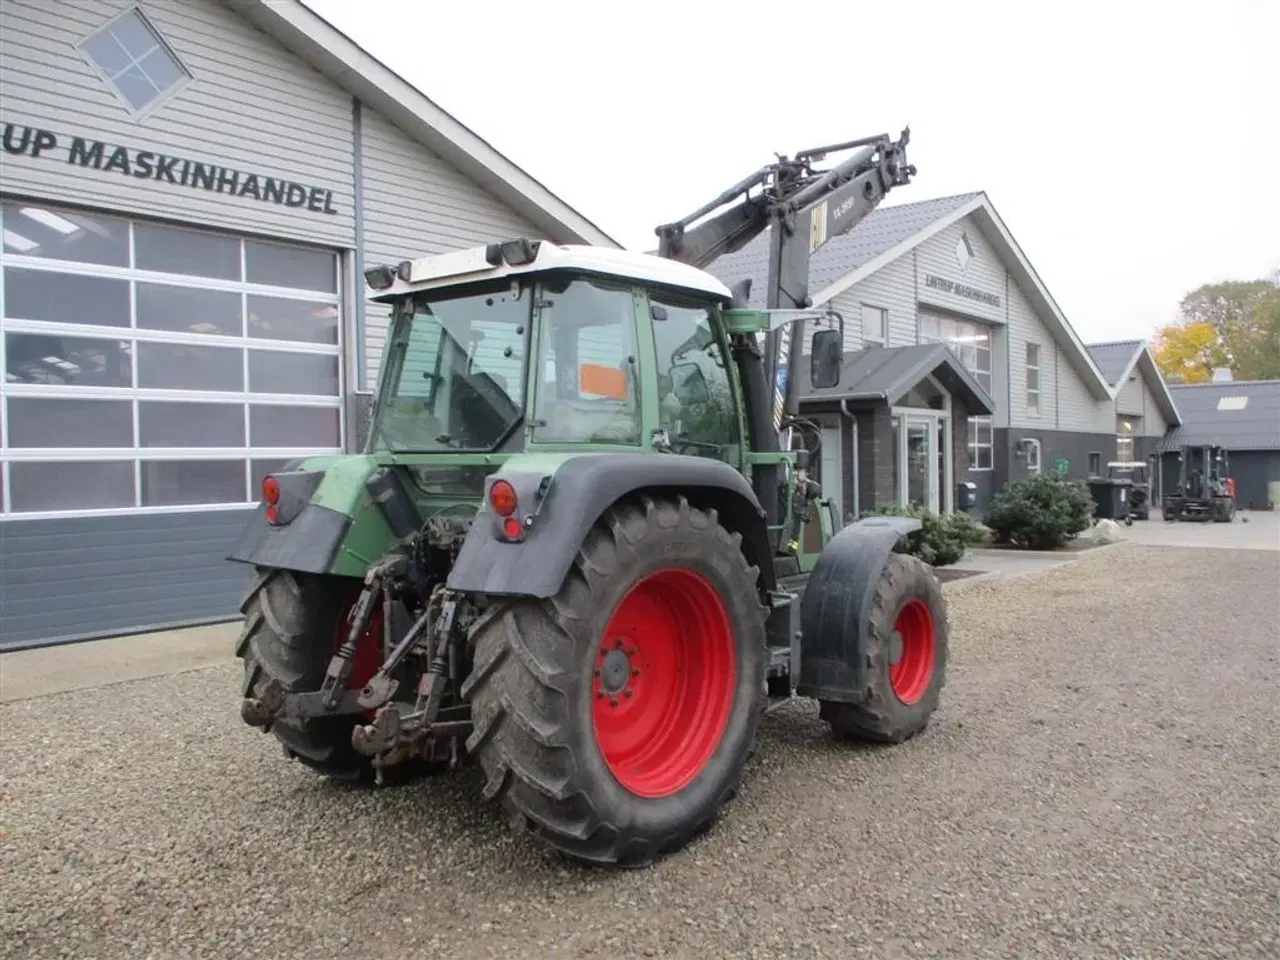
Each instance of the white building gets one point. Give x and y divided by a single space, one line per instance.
189 190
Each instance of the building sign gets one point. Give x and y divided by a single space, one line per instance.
153 167
961 290
1061 466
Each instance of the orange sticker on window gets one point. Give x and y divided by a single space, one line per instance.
602 381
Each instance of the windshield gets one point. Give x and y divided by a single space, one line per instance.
455 373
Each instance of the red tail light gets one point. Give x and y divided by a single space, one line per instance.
511 527
271 494
502 497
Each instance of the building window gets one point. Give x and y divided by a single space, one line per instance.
1032 449
133 58
1124 449
981 437
1033 379
1095 464
875 325
144 367
968 340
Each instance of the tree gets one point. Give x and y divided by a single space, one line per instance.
1257 350
1245 316
1189 351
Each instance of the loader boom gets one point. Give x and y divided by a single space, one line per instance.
803 209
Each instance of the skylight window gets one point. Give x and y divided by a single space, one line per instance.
134 59
1232 403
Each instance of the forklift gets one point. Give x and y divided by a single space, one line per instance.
1206 492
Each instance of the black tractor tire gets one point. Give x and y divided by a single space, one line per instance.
908 619
291 630
545 678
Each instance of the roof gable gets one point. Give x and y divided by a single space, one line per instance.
890 373
1114 359
305 33
1237 415
891 231
1117 361
884 229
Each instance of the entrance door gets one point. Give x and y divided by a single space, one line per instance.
921 454
829 472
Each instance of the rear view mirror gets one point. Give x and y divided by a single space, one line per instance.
825 358
688 384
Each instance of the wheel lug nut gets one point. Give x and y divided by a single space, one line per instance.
599 694
632 651
635 672
597 671
613 701
628 693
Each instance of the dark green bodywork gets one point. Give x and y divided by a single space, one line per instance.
341 530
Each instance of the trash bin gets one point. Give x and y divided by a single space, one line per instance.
1111 498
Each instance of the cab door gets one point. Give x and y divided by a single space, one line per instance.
697 397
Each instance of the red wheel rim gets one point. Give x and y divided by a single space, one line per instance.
368 647
666 675
913 652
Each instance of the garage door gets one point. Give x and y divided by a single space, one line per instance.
150 370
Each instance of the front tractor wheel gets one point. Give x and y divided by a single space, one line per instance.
614 719
905 658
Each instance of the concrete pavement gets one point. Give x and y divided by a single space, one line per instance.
42 671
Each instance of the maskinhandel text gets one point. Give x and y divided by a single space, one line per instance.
149 165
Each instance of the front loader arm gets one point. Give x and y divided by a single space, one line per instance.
806 208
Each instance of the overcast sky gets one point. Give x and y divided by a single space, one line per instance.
1132 146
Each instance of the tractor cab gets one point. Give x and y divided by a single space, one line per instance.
527 346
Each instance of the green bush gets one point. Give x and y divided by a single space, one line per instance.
1040 513
940 540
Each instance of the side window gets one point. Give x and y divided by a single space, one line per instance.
588 391
695 397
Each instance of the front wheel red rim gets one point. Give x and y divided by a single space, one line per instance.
665 680
914 651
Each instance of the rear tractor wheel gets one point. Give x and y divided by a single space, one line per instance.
293 624
613 720
906 649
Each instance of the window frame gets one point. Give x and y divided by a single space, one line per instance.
975 446
883 339
1032 443
715 318
961 327
1034 396
138 454
162 96
540 344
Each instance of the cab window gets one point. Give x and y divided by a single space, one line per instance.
588 391
695 394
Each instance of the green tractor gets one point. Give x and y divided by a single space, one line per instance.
577 548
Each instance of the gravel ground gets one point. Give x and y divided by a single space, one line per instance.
1101 781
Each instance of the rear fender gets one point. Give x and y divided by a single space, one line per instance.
837 604
335 516
560 500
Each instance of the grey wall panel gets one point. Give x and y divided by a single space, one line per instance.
94 576
416 205
981 271
891 287
251 106
1130 398
1073 446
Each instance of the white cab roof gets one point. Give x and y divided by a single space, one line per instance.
465 266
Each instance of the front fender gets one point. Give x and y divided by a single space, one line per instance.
576 491
837 604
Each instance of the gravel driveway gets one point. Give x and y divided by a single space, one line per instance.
1101 781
